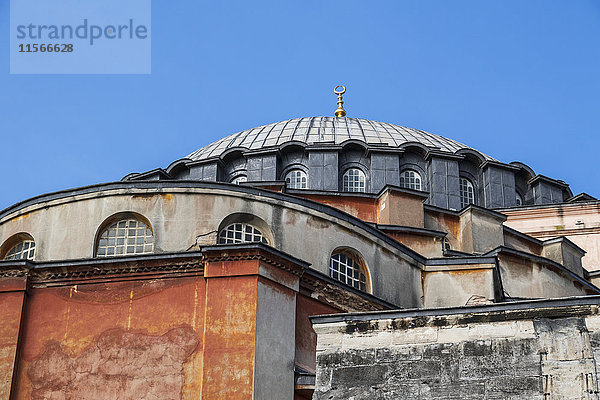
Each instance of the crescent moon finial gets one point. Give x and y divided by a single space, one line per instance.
340 90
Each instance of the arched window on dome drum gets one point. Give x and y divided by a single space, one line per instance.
349 269
519 199
296 179
239 179
410 179
467 194
24 250
354 181
126 236
241 233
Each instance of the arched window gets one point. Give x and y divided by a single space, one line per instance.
519 199
296 179
24 250
126 236
348 268
446 244
241 233
467 194
410 179
354 180
239 179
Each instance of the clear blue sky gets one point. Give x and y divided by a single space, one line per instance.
518 80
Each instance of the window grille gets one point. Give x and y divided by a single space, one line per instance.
446 244
24 250
296 179
467 194
410 179
241 233
128 236
347 269
354 181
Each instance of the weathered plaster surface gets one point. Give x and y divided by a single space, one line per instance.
11 304
182 218
578 222
119 365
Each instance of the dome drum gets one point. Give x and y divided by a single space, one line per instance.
327 148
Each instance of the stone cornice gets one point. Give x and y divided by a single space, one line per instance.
103 270
255 251
343 297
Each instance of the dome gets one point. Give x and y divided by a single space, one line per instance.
340 154
330 130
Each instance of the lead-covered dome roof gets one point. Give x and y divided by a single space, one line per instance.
327 130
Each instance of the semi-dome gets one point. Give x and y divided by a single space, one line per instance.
327 130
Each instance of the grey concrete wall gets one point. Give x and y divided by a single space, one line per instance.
545 193
262 167
205 172
487 230
323 170
275 345
443 183
498 187
456 285
550 353
384 170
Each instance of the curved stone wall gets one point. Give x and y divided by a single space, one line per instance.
184 217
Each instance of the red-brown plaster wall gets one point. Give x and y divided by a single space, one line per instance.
448 223
364 208
428 246
171 338
230 338
112 339
11 304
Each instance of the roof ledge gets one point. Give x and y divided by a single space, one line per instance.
393 188
482 210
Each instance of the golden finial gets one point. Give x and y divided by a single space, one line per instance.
340 112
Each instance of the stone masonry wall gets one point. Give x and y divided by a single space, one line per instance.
471 353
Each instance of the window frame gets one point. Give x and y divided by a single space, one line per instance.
303 178
30 250
346 180
347 258
417 176
102 245
13 241
221 239
469 185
